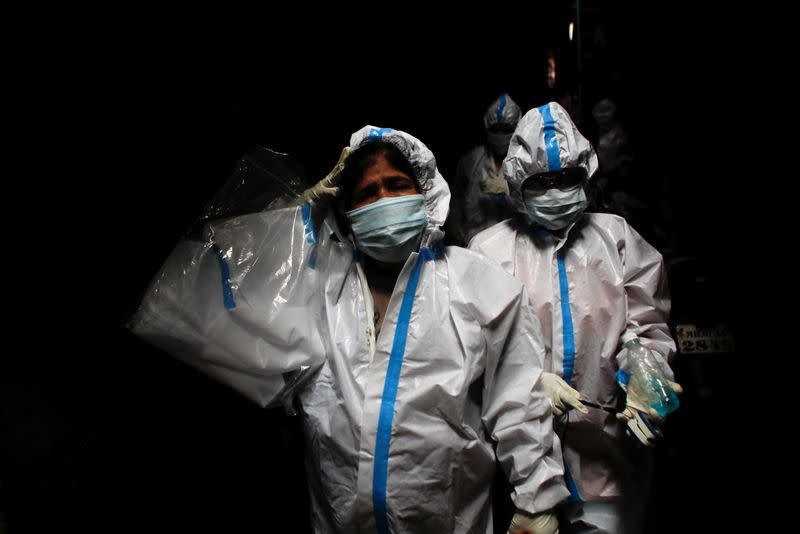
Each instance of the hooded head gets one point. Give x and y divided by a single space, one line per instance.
500 120
547 141
604 114
386 222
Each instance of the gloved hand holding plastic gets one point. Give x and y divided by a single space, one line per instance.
562 397
648 387
542 523
651 395
640 426
328 186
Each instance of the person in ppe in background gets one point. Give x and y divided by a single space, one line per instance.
600 293
410 375
614 149
479 190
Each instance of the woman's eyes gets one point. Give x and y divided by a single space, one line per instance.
397 184
401 184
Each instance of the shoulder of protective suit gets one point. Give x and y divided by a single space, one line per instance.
480 282
605 218
608 223
613 228
463 255
620 229
494 236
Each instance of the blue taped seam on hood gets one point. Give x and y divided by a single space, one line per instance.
377 133
501 107
550 141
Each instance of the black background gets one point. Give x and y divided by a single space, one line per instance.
125 119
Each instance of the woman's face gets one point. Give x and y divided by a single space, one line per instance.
382 180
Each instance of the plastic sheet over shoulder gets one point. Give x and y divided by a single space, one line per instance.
239 297
261 179
242 304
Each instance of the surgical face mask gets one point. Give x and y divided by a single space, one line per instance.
556 209
498 143
389 229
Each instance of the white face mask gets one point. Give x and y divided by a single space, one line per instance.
498 143
556 209
389 229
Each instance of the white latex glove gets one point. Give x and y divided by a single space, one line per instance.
637 399
642 420
640 426
328 185
542 523
562 397
494 185
646 386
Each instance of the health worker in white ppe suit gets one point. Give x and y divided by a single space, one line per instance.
408 372
479 191
600 293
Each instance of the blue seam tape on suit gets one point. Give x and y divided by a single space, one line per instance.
311 236
566 320
569 354
384 433
227 292
574 496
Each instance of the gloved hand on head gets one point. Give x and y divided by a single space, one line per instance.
562 397
541 523
328 186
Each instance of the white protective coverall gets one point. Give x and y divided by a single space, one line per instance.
589 283
476 209
399 429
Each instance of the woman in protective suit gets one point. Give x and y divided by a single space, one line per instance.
599 291
411 361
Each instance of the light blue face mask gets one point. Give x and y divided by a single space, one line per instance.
390 229
556 209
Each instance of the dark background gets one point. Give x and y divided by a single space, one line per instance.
124 121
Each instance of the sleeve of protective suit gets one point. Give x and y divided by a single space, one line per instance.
241 304
648 298
517 416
